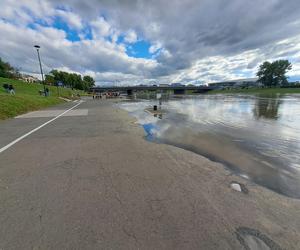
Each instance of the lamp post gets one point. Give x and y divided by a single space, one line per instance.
38 52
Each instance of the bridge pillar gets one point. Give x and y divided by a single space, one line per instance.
179 91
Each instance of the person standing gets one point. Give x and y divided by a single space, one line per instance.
11 89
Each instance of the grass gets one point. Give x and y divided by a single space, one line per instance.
260 91
27 97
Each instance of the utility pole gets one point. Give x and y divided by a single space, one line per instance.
38 52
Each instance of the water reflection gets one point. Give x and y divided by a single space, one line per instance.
256 137
159 116
267 107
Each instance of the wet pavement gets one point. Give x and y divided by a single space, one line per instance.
92 181
257 137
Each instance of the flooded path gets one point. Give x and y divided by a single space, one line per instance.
256 137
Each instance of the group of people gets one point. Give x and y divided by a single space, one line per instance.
9 88
45 92
112 94
97 96
106 95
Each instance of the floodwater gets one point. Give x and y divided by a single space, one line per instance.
256 137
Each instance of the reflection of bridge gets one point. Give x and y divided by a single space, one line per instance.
130 89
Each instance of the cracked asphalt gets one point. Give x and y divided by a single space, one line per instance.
93 182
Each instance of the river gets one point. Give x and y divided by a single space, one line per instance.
256 137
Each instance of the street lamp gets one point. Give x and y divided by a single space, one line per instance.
38 52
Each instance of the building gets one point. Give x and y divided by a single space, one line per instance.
29 78
240 83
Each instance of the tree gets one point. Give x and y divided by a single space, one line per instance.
88 82
273 74
71 80
49 79
59 76
6 70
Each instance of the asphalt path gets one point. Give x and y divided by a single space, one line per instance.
90 181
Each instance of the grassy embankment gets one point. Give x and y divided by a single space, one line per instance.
260 91
27 97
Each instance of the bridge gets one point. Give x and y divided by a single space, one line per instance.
130 89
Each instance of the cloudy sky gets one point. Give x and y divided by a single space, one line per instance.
151 41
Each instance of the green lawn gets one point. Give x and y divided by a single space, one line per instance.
27 97
261 91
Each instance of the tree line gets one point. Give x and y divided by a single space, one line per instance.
71 80
54 77
8 71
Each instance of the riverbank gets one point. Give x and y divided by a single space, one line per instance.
260 91
260 131
27 97
93 182
206 197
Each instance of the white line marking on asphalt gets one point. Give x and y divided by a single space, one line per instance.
36 129
52 113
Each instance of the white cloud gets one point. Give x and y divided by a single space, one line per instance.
155 47
99 56
130 37
24 12
216 40
101 28
73 20
219 68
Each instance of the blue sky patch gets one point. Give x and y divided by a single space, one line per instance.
87 33
72 35
139 49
